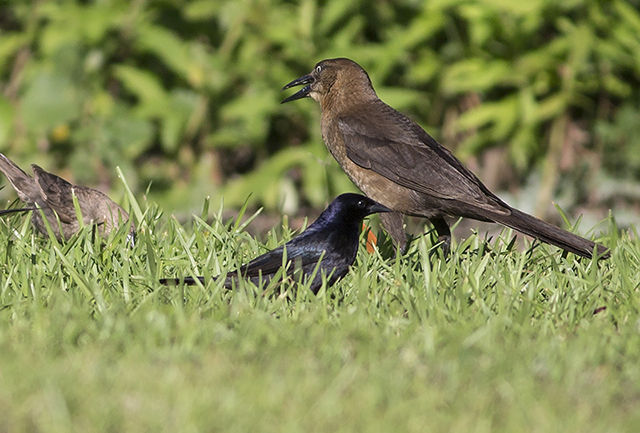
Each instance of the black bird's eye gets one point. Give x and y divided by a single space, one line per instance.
361 204
318 69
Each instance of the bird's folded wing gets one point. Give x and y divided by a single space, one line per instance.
405 154
57 193
271 262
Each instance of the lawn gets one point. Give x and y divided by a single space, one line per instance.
490 339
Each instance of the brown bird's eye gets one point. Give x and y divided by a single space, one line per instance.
318 69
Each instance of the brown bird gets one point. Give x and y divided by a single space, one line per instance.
396 163
54 195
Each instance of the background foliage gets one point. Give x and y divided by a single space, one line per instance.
185 95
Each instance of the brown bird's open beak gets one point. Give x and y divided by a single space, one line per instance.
305 79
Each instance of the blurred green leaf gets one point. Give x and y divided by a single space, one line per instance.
70 22
334 12
9 44
201 9
503 114
6 120
266 178
49 100
131 133
401 98
246 116
173 51
475 75
144 85
629 14
551 107
183 103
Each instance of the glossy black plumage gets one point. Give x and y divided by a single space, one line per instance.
395 162
331 239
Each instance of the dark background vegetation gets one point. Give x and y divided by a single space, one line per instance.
540 98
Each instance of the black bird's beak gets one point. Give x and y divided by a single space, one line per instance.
378 208
305 79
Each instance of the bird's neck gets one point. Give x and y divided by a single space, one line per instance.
349 93
331 224
342 236
336 235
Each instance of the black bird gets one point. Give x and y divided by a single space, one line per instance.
396 163
331 239
54 195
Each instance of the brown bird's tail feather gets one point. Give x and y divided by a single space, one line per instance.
551 234
24 184
189 281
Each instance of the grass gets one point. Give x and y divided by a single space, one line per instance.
489 340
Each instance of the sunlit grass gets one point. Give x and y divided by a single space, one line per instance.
488 339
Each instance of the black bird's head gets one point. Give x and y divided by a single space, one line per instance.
351 208
331 80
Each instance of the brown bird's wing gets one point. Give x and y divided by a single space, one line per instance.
384 140
96 207
57 193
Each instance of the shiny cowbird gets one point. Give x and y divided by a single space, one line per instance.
331 240
396 163
52 195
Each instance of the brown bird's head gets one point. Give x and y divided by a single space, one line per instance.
332 80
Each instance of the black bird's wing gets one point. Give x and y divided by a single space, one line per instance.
265 266
271 262
389 143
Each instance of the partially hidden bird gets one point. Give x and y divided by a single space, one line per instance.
398 164
327 248
50 194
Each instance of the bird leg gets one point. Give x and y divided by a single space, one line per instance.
393 223
444 234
